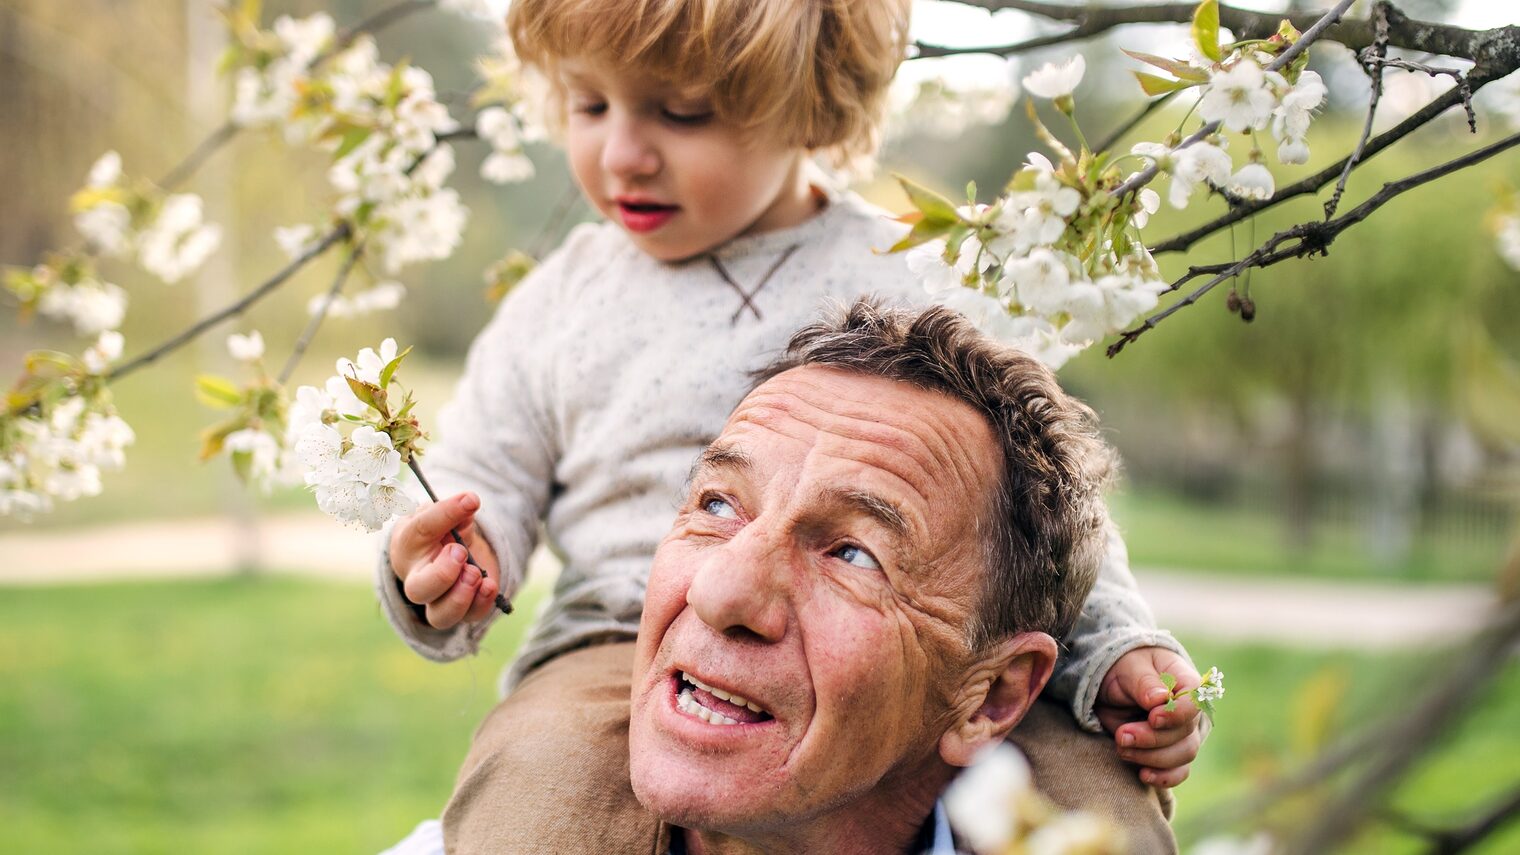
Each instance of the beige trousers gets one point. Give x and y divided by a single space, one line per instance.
548 769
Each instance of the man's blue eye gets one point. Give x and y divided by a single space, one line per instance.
719 508
852 554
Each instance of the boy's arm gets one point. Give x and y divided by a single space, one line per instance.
497 439
1115 620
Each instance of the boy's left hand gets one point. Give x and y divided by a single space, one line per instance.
1132 706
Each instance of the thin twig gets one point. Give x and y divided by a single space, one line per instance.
929 51
1370 58
192 162
374 24
501 601
340 232
1312 237
320 315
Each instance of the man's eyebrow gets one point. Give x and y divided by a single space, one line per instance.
717 456
888 514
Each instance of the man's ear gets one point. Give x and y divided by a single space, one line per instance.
996 693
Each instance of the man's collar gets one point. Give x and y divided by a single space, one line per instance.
934 839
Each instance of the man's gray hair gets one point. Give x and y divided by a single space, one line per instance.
1046 525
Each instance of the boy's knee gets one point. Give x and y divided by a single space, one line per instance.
1082 771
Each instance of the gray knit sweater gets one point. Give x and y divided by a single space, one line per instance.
601 377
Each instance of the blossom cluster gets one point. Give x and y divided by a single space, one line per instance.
59 430
927 97
383 126
119 219
1057 262
997 810
253 432
351 442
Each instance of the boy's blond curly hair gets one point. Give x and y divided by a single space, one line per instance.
813 73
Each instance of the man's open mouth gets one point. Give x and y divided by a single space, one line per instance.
714 705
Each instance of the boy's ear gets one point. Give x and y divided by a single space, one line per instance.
996 693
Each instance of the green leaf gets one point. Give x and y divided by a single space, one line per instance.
242 464
1171 704
1177 67
397 85
935 208
971 192
1206 29
922 232
352 139
219 393
1169 681
389 370
368 393
1153 84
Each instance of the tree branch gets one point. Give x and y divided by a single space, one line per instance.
1477 78
184 337
1501 44
1309 238
320 315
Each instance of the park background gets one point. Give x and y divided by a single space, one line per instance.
191 667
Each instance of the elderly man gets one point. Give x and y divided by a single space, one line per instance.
860 592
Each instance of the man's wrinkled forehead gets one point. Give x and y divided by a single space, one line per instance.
936 445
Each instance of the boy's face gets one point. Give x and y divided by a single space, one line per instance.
655 159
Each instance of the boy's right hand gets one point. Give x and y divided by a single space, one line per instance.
432 567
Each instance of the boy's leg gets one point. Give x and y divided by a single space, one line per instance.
548 769
1082 771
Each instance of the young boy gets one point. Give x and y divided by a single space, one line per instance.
689 124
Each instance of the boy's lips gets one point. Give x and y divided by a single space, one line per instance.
641 215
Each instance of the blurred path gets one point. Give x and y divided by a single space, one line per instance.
1291 612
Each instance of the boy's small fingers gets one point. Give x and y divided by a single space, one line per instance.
434 522
1183 714
1149 691
1141 735
485 599
1180 753
1165 778
436 577
449 609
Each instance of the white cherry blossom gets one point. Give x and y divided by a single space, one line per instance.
371 456
246 348
107 349
1253 181
91 305
178 242
1056 79
320 450
1238 97
108 228
983 802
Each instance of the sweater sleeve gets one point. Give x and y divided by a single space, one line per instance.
1114 620
495 437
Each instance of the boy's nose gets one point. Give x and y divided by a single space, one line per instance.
628 152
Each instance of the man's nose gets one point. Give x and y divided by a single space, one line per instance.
739 589
628 151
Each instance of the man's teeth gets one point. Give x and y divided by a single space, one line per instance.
689 705
709 715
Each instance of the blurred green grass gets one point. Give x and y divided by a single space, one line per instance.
279 714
